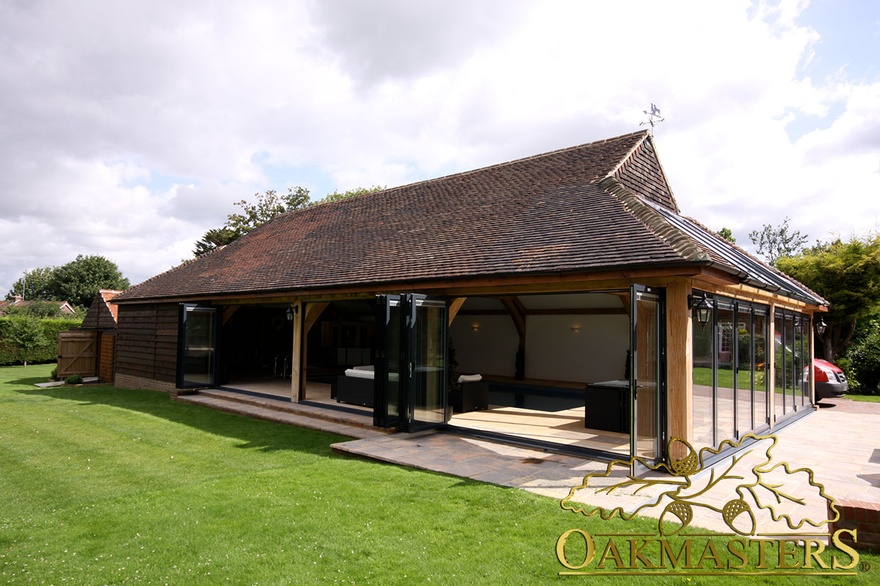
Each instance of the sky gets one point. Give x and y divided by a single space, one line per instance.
128 128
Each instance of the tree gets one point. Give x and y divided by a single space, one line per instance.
847 274
357 191
863 360
775 243
34 285
267 206
215 238
80 280
25 333
727 234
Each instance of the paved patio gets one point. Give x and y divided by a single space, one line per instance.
840 443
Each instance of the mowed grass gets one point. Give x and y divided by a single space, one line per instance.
864 398
100 485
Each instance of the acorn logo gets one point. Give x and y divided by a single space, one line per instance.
761 502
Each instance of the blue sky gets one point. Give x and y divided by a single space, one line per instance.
849 38
128 129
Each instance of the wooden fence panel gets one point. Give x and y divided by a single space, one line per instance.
77 352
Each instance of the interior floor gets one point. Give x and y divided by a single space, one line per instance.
559 427
565 427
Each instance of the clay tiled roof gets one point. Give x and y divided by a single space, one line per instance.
103 312
63 306
581 209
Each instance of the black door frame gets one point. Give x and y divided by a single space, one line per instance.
400 364
184 349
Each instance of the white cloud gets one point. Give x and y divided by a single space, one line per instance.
128 129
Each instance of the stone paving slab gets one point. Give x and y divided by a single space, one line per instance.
288 418
840 443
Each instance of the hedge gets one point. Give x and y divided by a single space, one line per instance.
47 353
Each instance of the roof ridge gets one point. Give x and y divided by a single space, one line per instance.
593 144
626 158
645 213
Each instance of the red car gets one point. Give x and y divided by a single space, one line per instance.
830 380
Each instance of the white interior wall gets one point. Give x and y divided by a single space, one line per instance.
578 348
485 344
564 347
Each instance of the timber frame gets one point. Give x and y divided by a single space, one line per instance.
515 244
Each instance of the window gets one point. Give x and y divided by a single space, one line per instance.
730 387
791 345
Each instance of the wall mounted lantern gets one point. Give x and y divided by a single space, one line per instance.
821 327
291 311
703 307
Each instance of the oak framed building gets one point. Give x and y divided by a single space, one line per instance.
562 283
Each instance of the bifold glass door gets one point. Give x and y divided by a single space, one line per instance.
410 378
647 390
386 391
197 346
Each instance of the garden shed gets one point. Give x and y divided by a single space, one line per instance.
559 300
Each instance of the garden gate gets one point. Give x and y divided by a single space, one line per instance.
77 352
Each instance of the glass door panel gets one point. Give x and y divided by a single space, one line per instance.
427 381
197 347
744 371
779 372
762 382
410 380
801 327
386 389
725 404
645 386
704 384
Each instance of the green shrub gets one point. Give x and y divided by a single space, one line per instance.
862 362
73 379
47 352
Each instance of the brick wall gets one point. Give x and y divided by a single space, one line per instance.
127 381
862 516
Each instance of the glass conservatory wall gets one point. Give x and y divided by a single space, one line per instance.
730 387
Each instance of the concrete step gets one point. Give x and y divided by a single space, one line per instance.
283 411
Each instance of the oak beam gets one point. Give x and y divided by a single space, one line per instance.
679 366
313 312
454 307
518 314
297 372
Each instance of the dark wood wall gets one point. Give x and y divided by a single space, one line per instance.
146 344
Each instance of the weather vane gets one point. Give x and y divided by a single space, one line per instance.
654 117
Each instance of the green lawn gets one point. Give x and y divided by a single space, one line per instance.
101 485
703 376
864 398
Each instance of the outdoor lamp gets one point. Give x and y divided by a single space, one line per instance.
703 307
820 326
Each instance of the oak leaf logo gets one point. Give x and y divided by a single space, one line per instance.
741 489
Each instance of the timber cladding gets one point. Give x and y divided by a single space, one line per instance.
146 343
106 352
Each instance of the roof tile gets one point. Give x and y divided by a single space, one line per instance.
578 209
